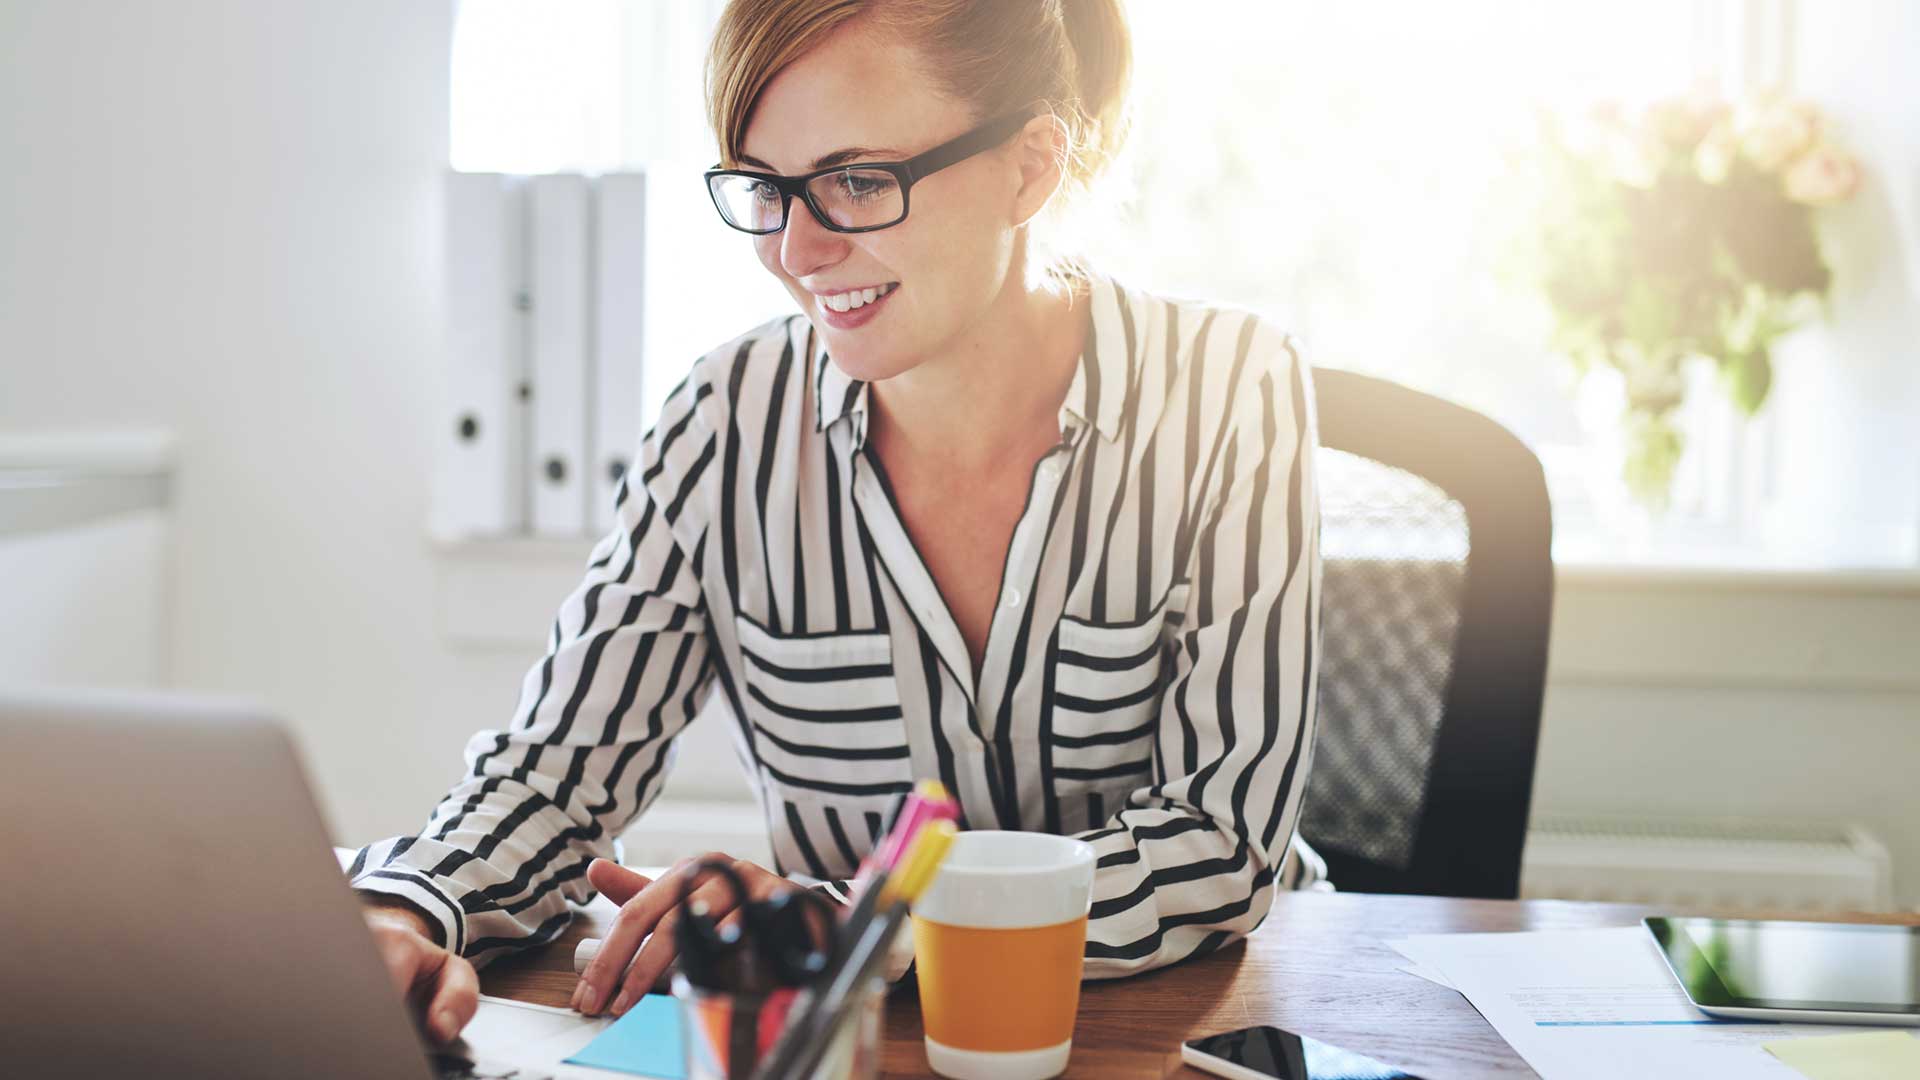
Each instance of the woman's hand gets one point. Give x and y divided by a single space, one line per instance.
442 989
652 907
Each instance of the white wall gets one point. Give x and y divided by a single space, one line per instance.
1716 694
223 218
222 221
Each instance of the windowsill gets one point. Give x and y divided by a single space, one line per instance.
1771 628
1761 577
1731 569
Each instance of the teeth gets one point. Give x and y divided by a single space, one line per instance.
847 301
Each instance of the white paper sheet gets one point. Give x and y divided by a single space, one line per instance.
538 1037
1599 1004
1428 974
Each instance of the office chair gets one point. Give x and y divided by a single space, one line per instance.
1438 588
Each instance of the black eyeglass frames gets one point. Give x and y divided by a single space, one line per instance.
855 198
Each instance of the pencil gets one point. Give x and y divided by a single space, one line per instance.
929 802
808 1033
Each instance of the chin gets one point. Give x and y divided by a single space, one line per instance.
864 357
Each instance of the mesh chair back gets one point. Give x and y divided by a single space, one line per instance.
1438 586
1395 551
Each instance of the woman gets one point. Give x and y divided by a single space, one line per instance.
976 514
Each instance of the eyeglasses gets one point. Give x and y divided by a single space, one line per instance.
846 198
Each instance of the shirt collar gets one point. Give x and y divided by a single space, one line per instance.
836 395
1105 381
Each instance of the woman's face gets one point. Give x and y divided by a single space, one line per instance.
945 264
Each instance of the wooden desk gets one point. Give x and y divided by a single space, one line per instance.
1316 966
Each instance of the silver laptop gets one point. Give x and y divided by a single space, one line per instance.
171 906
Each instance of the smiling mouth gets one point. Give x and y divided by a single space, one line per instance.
857 298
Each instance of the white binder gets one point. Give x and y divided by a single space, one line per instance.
480 448
619 320
561 255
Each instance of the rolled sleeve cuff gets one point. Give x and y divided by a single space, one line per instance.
425 896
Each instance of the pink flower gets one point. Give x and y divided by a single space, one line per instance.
1681 122
1633 160
1771 133
1713 158
1824 175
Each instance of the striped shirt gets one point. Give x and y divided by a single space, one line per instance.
1148 681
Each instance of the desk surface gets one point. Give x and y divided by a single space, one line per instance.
1316 966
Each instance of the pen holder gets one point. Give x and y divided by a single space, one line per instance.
726 1034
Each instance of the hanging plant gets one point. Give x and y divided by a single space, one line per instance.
1684 230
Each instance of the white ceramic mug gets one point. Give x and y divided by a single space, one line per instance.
999 941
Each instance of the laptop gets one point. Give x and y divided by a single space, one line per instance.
172 906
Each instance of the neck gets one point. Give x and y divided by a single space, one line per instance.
997 392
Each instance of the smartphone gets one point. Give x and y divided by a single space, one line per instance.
1269 1053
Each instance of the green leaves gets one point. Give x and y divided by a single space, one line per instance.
1645 257
1748 376
1654 446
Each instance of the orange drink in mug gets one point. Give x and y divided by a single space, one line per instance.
998 943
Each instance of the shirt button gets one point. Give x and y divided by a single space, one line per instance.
1052 469
1013 597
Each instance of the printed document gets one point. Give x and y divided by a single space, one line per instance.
1600 1004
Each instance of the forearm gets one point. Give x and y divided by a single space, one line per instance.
497 879
1172 885
380 907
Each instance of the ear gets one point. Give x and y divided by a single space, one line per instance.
1039 151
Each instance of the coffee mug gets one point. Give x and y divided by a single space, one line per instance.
998 941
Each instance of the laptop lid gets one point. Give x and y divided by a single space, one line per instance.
171 904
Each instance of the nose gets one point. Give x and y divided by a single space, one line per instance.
806 246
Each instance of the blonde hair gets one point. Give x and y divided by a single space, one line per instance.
1073 58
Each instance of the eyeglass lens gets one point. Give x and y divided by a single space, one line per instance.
852 198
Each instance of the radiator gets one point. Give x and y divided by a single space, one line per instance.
1734 865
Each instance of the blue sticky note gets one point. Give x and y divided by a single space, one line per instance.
645 1042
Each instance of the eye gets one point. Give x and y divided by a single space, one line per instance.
861 186
765 192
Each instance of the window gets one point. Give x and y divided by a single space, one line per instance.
1341 166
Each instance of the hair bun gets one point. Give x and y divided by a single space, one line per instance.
1103 66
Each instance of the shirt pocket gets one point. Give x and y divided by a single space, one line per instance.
825 710
1106 704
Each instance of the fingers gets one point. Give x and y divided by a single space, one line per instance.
455 999
400 952
616 882
639 916
636 920
444 988
761 885
653 958
630 962
720 903
713 896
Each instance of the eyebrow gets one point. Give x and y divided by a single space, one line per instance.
838 157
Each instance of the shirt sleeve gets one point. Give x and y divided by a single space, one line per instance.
1189 864
591 741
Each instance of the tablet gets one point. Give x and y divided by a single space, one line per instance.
1754 969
